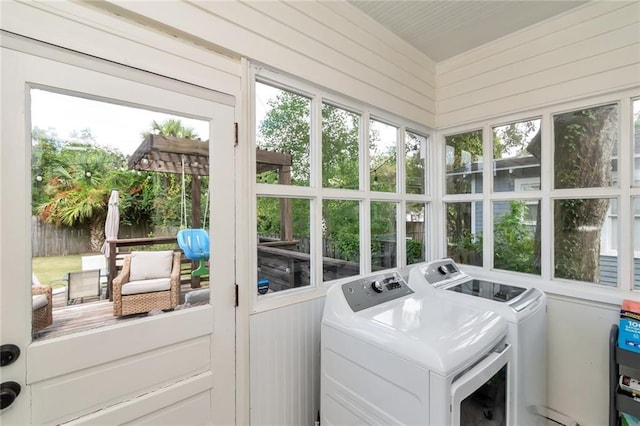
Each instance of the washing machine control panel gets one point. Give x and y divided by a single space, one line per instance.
364 293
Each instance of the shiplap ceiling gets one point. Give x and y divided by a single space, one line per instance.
442 29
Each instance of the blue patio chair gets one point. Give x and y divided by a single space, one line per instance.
195 245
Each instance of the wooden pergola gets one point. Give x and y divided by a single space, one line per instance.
167 154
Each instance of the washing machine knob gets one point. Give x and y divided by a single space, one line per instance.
376 286
443 269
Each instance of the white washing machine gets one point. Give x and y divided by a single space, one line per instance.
524 309
391 356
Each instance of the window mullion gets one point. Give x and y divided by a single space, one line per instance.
546 205
365 205
315 139
487 190
401 215
626 206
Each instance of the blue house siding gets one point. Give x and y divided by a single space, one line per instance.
609 271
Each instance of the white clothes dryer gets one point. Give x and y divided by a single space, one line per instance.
525 310
391 356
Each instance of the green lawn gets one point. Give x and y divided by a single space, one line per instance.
50 270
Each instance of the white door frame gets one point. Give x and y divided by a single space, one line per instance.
45 366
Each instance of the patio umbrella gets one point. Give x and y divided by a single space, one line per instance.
112 223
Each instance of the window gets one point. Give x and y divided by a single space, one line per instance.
578 225
383 150
415 152
384 239
98 165
516 246
351 188
516 156
464 163
340 239
340 148
584 143
282 154
283 243
416 245
563 172
464 232
516 170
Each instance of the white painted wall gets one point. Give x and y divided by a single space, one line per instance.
591 50
84 29
327 43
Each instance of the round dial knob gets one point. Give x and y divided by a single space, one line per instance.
443 269
376 286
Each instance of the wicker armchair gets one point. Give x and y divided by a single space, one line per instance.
148 280
42 307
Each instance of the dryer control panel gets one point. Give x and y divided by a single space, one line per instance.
441 272
364 293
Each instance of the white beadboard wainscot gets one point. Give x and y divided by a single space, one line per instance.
578 358
285 365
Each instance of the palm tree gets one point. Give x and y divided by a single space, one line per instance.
172 127
74 190
77 190
74 181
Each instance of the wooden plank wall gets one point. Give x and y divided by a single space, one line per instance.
592 50
331 44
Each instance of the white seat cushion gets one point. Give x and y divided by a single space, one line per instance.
146 286
146 265
39 301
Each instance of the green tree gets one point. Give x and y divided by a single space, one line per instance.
73 180
340 137
286 129
171 127
513 241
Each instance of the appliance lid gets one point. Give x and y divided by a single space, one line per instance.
444 274
436 334
518 298
488 290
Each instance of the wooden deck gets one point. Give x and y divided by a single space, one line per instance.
90 314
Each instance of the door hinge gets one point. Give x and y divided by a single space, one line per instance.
237 299
235 143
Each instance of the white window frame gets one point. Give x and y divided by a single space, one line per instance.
316 193
623 191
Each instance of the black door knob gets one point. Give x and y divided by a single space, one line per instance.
9 391
8 354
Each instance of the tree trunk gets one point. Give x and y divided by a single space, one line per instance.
584 142
96 235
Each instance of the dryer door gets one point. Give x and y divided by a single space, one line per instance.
480 395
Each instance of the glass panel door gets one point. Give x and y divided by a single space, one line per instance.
69 173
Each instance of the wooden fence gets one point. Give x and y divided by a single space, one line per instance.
51 240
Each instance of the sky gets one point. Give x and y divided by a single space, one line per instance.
112 125
121 127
